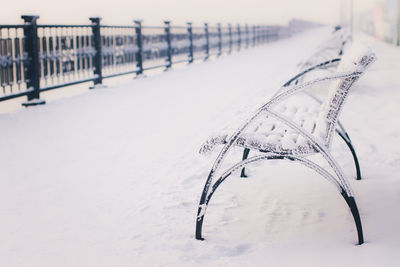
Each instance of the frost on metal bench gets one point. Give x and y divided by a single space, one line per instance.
284 129
330 49
327 66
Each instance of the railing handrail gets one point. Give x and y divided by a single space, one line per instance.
63 25
12 26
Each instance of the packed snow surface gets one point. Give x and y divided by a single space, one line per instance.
113 177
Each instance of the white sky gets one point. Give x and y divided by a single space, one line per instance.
179 11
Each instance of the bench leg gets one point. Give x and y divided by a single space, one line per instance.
206 197
199 227
346 138
245 156
356 215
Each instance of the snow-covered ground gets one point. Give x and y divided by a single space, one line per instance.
113 177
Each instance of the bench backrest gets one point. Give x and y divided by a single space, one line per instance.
330 49
355 59
337 41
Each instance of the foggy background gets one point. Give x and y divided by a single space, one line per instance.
153 12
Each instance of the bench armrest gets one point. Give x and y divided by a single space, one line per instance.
286 92
321 65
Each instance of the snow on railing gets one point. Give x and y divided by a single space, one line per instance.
36 58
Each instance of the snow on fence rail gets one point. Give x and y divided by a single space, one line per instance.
36 58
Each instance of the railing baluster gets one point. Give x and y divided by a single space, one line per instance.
239 40
264 34
254 35
247 36
219 39
207 47
230 37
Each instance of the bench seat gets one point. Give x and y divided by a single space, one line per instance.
269 134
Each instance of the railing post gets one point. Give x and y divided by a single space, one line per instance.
219 39
190 33
254 35
32 69
239 37
139 43
266 34
230 37
168 37
264 30
97 58
247 36
207 41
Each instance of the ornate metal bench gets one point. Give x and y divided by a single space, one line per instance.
281 129
328 50
326 58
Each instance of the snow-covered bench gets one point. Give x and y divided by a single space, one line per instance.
286 127
328 50
327 58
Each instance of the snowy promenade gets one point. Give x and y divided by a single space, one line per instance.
113 178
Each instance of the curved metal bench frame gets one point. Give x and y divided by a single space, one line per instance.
338 179
329 49
340 129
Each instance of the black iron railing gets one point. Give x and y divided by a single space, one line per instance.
36 58
66 55
13 62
